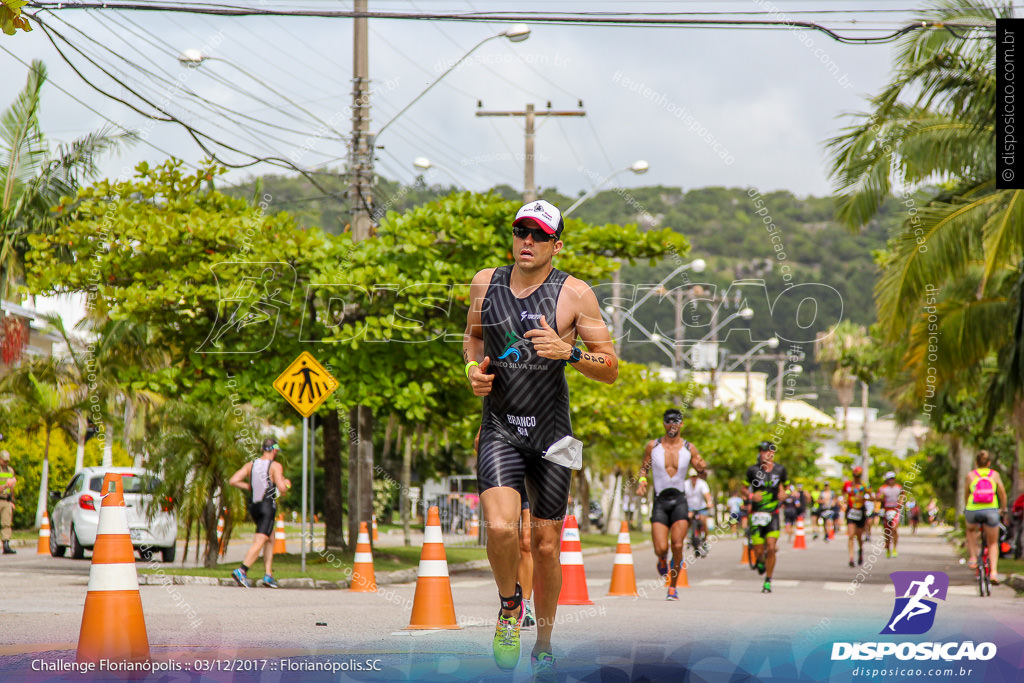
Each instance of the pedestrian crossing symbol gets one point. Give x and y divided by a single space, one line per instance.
305 384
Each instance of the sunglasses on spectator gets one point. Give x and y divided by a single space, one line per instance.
521 231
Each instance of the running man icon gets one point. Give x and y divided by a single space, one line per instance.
919 591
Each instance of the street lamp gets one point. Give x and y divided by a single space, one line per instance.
193 59
516 33
424 164
747 360
697 265
639 167
795 369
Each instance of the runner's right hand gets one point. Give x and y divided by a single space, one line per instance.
479 380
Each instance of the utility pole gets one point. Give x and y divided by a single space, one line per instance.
360 195
530 114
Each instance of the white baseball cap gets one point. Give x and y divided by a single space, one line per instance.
545 214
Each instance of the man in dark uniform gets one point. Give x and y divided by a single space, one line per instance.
767 479
521 332
7 483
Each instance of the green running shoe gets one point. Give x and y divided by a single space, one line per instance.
767 587
543 667
506 641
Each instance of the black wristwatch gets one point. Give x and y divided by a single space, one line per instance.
575 356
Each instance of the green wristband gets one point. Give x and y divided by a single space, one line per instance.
469 365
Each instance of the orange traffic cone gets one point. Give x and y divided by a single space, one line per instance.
432 605
800 540
744 552
474 526
574 578
831 532
623 575
279 536
220 535
113 626
363 578
44 536
376 536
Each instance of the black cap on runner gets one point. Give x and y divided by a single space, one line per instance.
673 415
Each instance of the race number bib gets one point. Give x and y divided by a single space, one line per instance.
891 515
761 519
855 514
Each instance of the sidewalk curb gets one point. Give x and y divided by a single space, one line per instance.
306 583
1016 582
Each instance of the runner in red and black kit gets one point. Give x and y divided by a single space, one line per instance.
857 494
766 480
521 332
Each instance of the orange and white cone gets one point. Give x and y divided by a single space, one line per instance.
376 536
220 535
832 532
44 536
745 552
474 526
574 578
432 605
800 540
682 581
363 578
113 627
279 536
623 574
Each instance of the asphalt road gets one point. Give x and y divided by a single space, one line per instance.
722 625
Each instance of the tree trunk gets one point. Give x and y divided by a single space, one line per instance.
613 522
334 508
365 446
583 494
865 454
963 460
404 505
353 475
83 425
108 444
210 515
44 481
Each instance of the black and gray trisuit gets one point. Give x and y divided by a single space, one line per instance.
528 407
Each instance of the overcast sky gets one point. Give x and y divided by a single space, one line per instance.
704 107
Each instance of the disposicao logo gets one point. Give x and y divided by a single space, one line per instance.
916 592
914 614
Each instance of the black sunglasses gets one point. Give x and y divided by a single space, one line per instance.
521 231
673 420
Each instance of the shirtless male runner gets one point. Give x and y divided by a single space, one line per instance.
668 458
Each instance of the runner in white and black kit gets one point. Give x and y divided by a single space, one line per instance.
264 478
667 458
521 331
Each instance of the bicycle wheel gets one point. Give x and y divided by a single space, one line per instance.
984 587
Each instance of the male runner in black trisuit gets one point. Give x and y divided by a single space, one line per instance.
521 331
767 480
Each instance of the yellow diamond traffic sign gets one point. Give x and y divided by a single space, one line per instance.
305 384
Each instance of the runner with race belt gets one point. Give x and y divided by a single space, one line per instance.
889 494
857 495
766 480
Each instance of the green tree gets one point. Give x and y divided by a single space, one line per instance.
959 249
33 179
41 385
198 449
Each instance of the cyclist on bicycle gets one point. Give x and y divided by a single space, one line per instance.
766 480
984 497
698 499
889 494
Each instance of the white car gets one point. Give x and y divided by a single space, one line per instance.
76 514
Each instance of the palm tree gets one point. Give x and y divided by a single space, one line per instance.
42 386
961 248
198 450
833 348
33 179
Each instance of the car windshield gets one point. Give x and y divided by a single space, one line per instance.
132 483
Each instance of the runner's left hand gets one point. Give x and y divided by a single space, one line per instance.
547 343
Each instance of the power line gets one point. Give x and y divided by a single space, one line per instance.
632 19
